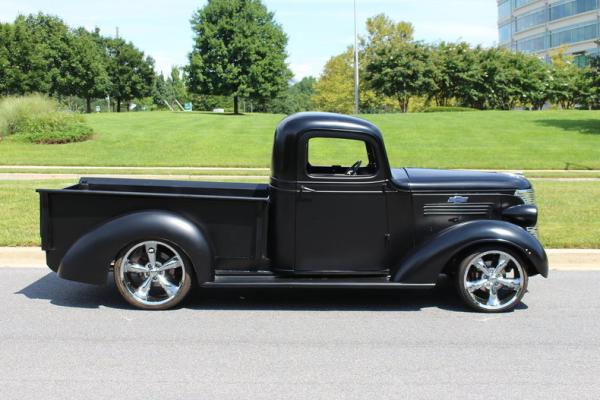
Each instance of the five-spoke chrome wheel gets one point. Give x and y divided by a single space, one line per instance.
492 280
152 275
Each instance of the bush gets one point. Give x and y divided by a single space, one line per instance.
14 110
39 119
54 128
449 109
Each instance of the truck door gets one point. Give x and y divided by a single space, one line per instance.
341 216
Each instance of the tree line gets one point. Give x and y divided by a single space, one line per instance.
41 54
239 56
397 70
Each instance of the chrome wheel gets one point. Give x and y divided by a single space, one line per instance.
493 280
151 274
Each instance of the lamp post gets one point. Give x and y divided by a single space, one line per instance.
356 92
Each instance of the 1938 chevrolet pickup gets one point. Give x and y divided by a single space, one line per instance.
319 223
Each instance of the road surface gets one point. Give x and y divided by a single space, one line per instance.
63 340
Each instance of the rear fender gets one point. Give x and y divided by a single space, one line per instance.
89 258
424 264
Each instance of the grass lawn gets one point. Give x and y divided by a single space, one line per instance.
234 173
486 140
569 212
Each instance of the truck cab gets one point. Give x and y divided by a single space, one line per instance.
330 212
334 214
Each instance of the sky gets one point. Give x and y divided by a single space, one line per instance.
317 29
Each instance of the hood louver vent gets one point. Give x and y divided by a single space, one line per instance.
457 209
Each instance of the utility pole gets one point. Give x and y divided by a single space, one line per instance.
117 34
356 93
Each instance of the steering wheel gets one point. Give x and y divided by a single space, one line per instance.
353 170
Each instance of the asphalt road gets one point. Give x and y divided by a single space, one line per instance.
63 340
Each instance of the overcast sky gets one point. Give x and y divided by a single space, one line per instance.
317 29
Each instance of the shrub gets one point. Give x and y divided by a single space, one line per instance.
449 109
14 110
54 128
39 119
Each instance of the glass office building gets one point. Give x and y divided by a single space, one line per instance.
538 26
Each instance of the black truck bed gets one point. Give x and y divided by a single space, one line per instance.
234 215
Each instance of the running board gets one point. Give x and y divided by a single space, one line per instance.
285 282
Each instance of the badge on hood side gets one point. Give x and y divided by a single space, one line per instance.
458 199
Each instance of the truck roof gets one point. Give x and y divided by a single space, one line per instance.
291 129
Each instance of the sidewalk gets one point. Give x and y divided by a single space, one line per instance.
75 177
560 259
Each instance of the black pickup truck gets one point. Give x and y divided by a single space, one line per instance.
333 215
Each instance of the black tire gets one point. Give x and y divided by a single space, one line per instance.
475 298
180 277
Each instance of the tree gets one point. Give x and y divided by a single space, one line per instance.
162 91
176 80
569 85
5 37
381 30
298 97
239 51
593 75
86 74
334 89
131 74
452 72
401 70
34 48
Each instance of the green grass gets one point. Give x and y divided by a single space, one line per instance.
486 140
20 213
224 173
569 212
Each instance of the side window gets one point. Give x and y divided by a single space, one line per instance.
330 156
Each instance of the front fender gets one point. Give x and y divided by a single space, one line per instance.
88 259
424 264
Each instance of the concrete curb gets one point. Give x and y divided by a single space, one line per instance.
560 259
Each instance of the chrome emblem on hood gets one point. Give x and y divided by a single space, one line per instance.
458 199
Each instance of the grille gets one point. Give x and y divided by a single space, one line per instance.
526 195
533 230
528 198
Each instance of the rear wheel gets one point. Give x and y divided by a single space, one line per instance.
153 275
492 279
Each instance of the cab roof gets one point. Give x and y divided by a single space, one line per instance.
291 129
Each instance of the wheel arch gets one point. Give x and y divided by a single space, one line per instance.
102 245
425 263
455 260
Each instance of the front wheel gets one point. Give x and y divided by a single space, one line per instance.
492 280
153 275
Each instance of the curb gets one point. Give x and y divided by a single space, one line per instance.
560 259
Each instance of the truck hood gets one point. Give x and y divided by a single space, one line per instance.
439 179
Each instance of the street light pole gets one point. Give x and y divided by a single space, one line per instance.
356 93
